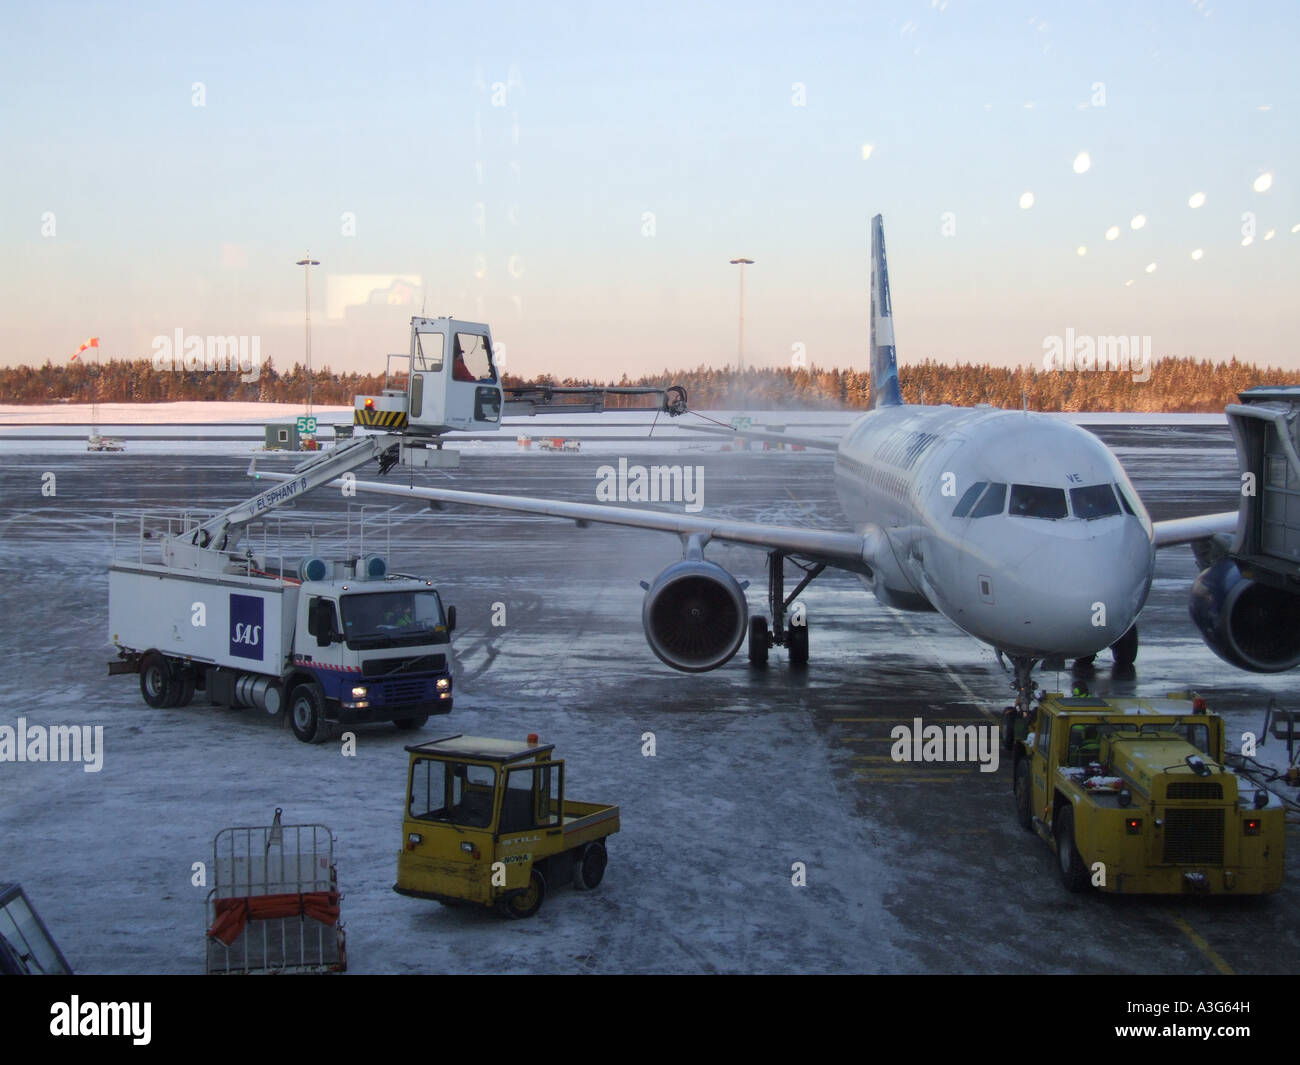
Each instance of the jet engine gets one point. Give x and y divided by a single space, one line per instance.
1250 625
695 615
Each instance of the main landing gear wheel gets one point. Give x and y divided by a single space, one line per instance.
759 641
793 636
796 639
527 902
307 714
1125 649
1085 663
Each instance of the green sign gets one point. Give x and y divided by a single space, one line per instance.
306 424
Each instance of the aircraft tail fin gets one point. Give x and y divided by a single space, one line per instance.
884 363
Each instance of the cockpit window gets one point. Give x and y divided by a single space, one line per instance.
991 502
1123 498
1032 501
1094 501
968 499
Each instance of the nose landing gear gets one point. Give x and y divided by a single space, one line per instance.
1023 685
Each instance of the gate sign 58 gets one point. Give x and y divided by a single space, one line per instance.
306 424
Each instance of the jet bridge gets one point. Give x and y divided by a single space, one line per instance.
1266 428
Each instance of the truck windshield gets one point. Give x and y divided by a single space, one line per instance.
457 793
393 619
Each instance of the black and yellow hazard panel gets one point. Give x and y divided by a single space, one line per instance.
381 419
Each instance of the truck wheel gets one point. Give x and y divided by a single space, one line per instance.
759 641
157 685
1074 874
589 866
406 724
1008 729
796 640
1024 794
307 714
528 902
185 684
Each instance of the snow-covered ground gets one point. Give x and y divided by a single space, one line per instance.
754 771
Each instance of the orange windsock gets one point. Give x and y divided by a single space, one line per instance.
93 342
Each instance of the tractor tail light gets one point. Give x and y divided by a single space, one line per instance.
1133 825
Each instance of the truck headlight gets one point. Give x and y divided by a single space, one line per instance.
444 683
359 692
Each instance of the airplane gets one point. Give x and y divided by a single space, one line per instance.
1022 529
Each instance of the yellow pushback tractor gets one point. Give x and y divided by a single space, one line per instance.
487 822
1134 797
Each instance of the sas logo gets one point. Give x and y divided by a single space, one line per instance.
246 626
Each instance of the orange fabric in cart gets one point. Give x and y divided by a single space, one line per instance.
234 914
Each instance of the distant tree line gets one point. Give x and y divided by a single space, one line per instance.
1176 384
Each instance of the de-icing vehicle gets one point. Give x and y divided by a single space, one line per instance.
201 607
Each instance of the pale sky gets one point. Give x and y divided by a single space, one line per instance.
579 174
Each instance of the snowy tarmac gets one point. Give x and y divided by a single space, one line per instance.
908 868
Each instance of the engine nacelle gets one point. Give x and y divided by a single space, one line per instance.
1249 625
695 616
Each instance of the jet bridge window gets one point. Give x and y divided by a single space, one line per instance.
968 499
1094 501
1032 501
992 502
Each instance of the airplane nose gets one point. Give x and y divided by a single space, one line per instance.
1079 596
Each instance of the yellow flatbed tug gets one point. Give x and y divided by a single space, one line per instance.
487 823
1134 797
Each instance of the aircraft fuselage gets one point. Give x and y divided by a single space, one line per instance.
1021 529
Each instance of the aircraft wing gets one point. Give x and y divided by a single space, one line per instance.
1189 530
843 550
759 434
